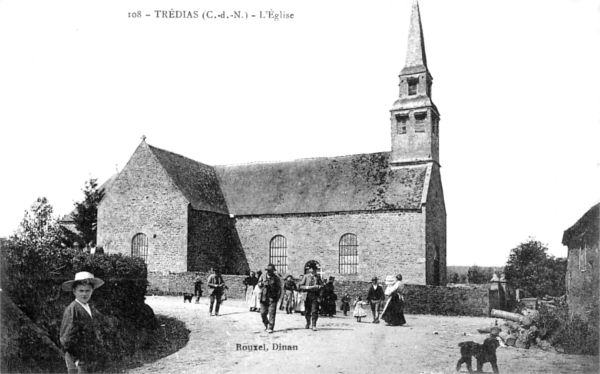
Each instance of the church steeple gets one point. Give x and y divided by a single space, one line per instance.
415 119
416 60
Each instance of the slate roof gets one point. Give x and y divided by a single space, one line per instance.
333 184
198 182
361 182
586 228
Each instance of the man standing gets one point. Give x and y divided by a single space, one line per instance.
375 298
198 288
217 285
311 284
270 285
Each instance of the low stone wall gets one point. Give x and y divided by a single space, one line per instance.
447 301
463 300
458 300
180 283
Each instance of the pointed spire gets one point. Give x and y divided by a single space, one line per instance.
416 60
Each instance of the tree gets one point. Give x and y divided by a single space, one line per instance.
85 214
39 228
455 278
480 275
529 267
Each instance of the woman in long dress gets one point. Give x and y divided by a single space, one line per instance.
254 302
299 298
250 282
393 310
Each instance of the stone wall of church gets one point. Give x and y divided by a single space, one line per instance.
388 242
144 200
436 230
212 243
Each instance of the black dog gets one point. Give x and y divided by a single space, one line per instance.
485 352
188 297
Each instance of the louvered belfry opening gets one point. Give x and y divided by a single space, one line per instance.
139 246
348 254
278 253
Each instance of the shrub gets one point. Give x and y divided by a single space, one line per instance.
570 335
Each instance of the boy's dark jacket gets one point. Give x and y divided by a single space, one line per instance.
78 332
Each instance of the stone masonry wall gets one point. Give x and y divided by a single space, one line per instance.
583 295
436 230
388 243
144 200
212 243
419 299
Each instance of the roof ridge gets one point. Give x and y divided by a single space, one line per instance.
302 159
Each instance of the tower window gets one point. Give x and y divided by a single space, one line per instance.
420 121
412 86
401 121
434 126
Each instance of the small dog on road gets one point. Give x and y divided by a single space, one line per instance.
187 297
485 352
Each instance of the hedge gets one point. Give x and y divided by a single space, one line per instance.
32 278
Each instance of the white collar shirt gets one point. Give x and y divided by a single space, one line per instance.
86 307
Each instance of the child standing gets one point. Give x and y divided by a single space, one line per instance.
78 330
359 312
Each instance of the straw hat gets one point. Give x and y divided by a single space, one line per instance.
83 275
390 280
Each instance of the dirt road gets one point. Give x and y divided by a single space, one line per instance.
236 343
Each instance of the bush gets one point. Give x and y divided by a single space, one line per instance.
32 276
570 335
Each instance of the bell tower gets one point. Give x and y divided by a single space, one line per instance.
414 117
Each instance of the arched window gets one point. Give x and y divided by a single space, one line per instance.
139 246
348 254
278 253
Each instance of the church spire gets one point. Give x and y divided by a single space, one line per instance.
416 60
414 117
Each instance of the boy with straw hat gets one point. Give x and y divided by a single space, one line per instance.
78 331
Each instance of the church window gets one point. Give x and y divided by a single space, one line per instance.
434 126
401 120
348 254
139 246
278 253
412 86
420 121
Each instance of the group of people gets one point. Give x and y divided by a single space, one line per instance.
312 297
387 305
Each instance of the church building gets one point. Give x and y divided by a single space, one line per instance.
352 217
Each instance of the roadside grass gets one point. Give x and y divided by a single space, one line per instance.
170 336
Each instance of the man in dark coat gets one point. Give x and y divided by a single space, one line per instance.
270 285
311 284
328 298
217 286
375 299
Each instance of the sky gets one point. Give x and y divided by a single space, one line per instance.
517 85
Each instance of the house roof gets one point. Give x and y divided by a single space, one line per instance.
361 182
196 181
586 228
